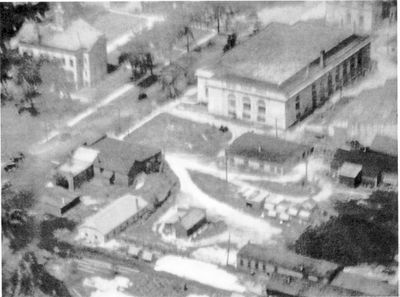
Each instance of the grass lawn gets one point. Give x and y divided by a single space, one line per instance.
180 135
292 189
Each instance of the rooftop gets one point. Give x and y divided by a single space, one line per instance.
192 217
58 197
364 285
287 285
81 159
78 35
281 50
290 260
266 148
384 144
350 169
115 213
372 162
119 156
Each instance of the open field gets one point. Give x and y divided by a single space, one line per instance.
175 134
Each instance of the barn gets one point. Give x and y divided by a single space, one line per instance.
121 162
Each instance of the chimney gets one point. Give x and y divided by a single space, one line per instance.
137 204
322 59
63 201
307 71
259 148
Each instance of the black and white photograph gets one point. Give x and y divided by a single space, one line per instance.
199 148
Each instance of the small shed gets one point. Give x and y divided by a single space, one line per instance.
272 213
293 211
147 256
78 169
284 217
304 215
350 174
134 251
256 200
269 206
58 201
192 221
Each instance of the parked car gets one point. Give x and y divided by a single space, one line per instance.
223 129
142 96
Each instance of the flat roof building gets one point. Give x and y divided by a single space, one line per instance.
283 73
112 219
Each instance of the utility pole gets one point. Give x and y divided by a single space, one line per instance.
229 247
306 169
226 165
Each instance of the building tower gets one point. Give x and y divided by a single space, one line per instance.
59 22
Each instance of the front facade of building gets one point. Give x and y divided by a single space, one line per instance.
281 99
78 47
264 260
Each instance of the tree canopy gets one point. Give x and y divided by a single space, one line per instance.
362 232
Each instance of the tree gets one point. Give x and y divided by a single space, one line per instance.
230 43
361 233
53 77
188 33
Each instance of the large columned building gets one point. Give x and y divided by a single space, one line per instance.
283 73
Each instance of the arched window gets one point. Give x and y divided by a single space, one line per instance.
231 105
246 108
261 110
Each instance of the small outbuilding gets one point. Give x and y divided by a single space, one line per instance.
256 200
77 170
192 221
350 174
57 201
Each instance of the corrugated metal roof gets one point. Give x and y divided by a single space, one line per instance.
116 213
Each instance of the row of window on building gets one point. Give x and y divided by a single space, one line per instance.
246 108
344 74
